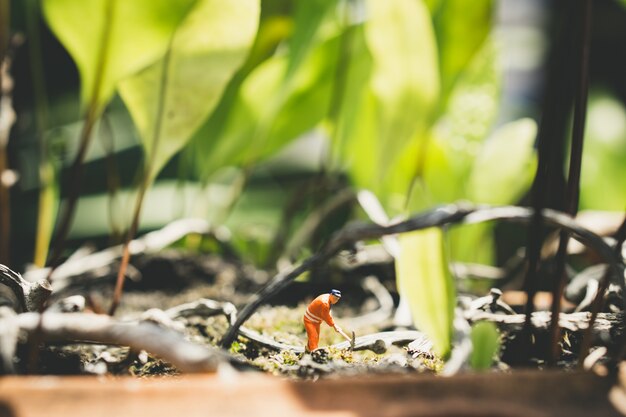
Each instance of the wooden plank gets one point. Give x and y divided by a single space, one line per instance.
521 393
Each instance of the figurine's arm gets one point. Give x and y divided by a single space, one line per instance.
341 332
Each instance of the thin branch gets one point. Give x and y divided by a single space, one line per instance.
574 322
147 177
315 219
385 303
76 170
376 342
30 296
149 243
575 163
449 214
93 328
547 190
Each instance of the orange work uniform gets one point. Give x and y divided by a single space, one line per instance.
318 310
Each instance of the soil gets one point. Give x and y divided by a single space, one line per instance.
175 277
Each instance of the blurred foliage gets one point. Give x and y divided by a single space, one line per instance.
603 178
170 99
111 40
424 278
485 345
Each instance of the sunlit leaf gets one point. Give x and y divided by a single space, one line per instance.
48 204
485 345
273 30
390 93
504 166
350 124
405 79
281 98
309 18
457 139
461 29
425 280
471 108
433 5
603 176
305 106
169 100
112 39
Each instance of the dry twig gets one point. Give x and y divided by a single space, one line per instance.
93 328
445 215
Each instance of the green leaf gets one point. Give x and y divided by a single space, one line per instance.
461 28
457 138
258 122
485 345
425 280
453 142
603 176
504 167
309 18
473 243
390 94
349 124
279 99
171 99
46 214
112 39
404 79
471 108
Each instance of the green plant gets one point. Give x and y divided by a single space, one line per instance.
413 127
170 99
485 345
407 95
170 61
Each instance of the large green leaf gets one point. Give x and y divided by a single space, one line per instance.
404 80
112 39
424 279
504 167
171 99
388 100
471 108
461 28
457 138
279 99
350 124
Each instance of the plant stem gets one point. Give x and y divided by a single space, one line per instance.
47 173
145 182
112 178
5 119
547 190
573 179
93 113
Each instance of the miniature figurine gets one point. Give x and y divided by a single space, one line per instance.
319 310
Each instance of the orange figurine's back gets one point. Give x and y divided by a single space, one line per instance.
318 311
